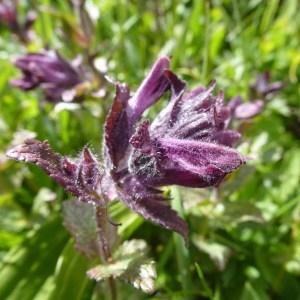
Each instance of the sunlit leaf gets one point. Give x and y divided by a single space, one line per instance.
79 219
131 264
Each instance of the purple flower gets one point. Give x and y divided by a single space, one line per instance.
187 144
259 92
263 88
9 17
48 70
247 110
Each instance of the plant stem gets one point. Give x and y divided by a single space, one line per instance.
103 243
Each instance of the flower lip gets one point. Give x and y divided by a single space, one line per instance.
150 91
169 161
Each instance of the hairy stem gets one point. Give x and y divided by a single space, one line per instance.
104 247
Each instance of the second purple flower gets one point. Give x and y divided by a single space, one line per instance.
49 71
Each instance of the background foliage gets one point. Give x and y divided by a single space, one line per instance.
245 239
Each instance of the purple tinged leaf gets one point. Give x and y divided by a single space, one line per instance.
117 130
141 137
89 174
39 153
149 203
80 178
79 219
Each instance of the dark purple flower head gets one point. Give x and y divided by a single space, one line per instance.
263 87
240 110
248 110
49 71
259 92
188 144
9 17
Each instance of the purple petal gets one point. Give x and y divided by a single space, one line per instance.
177 85
186 117
225 137
200 153
163 120
151 89
248 110
194 92
263 87
25 83
234 103
88 174
190 163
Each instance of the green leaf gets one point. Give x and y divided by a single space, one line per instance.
70 280
252 291
242 212
79 219
289 174
28 266
218 253
131 264
207 290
